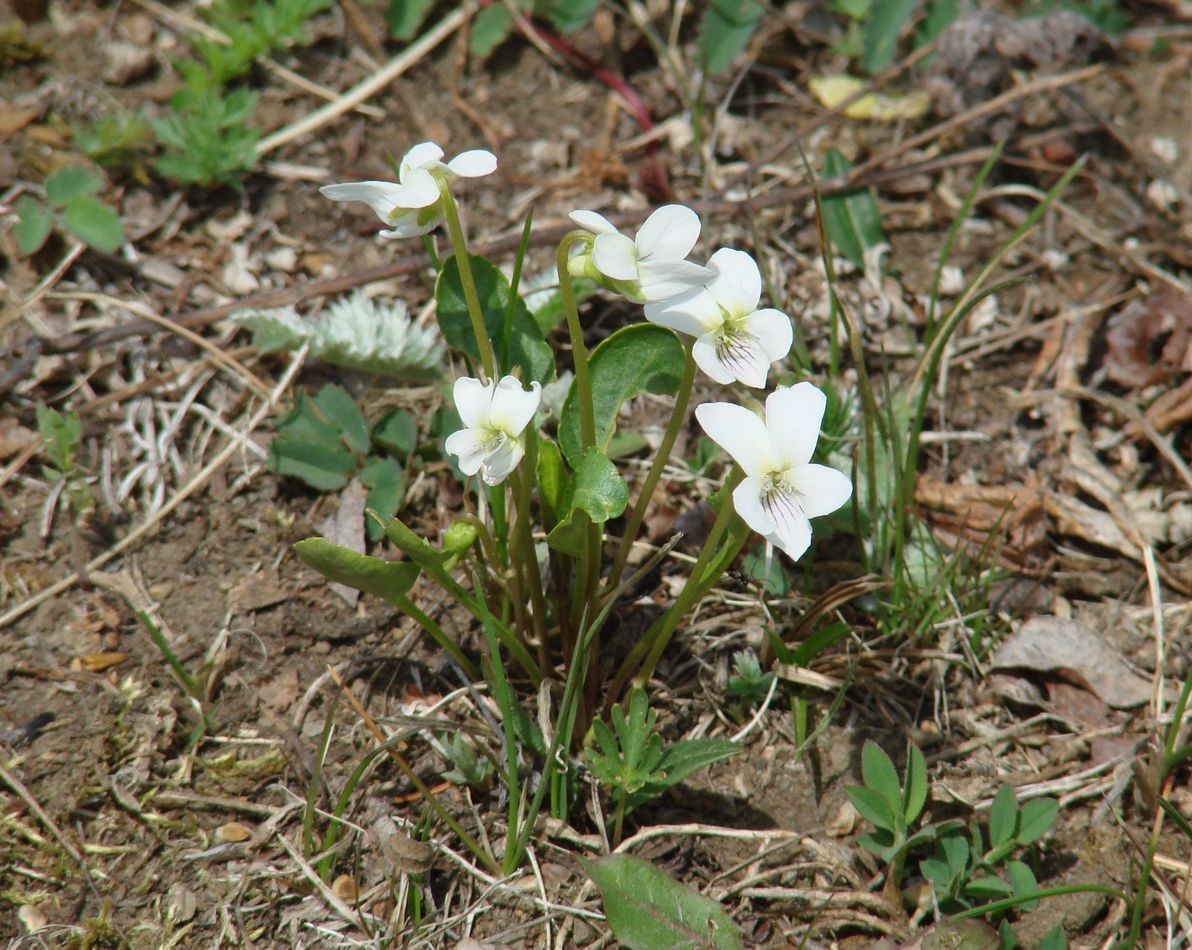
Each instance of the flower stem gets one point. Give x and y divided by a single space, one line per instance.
579 352
468 281
677 419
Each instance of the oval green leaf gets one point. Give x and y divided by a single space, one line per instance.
94 223
34 225
388 580
636 359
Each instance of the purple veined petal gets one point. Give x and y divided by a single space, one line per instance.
592 222
468 446
502 460
668 234
513 407
662 280
474 163
736 283
740 432
473 401
615 256
773 331
793 417
381 196
706 354
419 189
791 535
821 489
742 358
420 156
748 503
693 313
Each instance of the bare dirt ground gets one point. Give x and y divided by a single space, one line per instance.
1058 456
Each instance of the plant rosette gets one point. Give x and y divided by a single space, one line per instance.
782 489
414 204
650 266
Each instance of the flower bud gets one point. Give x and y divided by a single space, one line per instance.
459 537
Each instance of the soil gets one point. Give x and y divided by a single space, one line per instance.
126 820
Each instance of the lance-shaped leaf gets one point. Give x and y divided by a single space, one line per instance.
389 580
852 220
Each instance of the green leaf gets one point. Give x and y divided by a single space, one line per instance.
386 484
340 409
595 493
852 220
872 806
321 467
637 359
490 28
389 580
94 223
552 480
72 182
879 774
880 843
886 20
405 16
1022 880
725 31
915 792
682 758
570 15
1035 819
1003 816
960 935
396 432
649 910
988 887
1054 939
528 350
955 850
34 225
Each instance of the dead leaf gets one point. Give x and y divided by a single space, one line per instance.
13 118
1068 648
255 592
344 887
1149 341
232 831
98 662
346 528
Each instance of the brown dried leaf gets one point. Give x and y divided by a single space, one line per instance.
1149 341
98 662
232 831
1068 648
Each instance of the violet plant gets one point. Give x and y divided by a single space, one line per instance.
531 559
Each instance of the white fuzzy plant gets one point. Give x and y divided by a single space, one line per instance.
354 332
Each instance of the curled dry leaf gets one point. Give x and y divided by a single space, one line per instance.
1150 341
1068 648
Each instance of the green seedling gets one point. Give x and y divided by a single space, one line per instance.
116 138
631 760
469 768
748 685
62 435
964 869
71 206
892 807
325 442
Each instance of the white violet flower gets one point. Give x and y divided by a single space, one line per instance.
734 339
781 490
494 414
413 204
650 266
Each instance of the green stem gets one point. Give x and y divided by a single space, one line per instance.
658 636
677 420
579 352
468 281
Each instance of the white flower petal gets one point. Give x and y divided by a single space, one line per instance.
773 332
420 156
662 280
615 256
512 406
593 222
737 282
793 417
473 401
502 461
381 196
474 163
419 189
747 502
791 534
821 489
741 433
706 354
468 446
742 358
668 234
407 225
694 313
